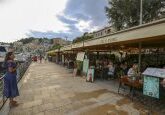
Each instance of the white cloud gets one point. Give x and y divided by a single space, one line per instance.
85 26
17 17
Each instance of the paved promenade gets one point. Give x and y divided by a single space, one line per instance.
50 89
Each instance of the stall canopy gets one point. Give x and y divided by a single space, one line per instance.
53 52
149 35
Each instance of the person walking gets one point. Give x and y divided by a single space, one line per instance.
40 58
10 80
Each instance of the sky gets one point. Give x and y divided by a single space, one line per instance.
50 18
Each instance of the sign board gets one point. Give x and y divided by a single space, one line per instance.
151 86
62 58
90 75
108 40
85 66
80 56
75 72
155 72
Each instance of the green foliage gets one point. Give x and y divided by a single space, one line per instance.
51 41
126 13
79 64
27 40
31 39
82 38
54 47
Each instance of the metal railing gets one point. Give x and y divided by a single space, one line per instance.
2 98
22 67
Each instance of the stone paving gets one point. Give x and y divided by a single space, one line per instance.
50 89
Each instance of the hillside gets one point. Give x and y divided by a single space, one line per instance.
32 39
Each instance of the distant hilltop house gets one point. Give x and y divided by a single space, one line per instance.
36 42
18 43
60 41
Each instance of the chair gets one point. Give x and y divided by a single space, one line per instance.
132 84
104 73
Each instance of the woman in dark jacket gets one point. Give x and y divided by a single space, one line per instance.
10 80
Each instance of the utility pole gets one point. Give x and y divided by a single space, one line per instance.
140 44
141 12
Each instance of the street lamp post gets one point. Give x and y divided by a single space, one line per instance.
140 44
141 12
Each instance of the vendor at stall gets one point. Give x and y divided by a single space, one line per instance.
111 70
124 68
163 83
104 70
133 71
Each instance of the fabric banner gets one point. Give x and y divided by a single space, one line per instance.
75 72
80 56
85 66
90 75
63 59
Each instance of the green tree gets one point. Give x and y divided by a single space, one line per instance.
82 38
54 47
27 40
40 40
51 41
126 13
